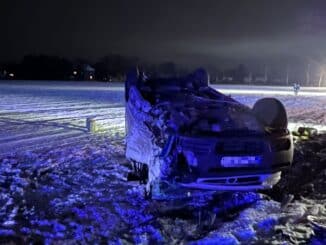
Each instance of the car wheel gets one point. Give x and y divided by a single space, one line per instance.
271 113
201 78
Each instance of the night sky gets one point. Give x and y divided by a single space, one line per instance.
191 32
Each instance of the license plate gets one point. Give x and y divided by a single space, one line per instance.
240 161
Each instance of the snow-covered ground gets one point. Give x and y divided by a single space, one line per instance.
59 182
54 114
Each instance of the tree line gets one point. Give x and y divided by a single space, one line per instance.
111 67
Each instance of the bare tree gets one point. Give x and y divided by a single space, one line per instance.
287 75
321 78
308 74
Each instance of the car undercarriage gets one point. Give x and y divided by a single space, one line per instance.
182 132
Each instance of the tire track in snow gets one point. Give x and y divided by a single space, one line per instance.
37 141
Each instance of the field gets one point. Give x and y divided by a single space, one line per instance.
60 182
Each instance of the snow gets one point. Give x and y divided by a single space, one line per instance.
60 183
49 115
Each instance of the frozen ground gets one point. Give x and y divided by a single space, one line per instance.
60 183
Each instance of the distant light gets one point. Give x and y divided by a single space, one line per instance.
11 74
75 73
268 90
91 77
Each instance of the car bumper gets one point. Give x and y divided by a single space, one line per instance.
210 173
235 183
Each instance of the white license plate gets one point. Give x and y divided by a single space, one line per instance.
240 161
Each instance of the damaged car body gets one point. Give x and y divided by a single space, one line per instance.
182 132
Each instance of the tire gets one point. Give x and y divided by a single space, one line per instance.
201 78
271 113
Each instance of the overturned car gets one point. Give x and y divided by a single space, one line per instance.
182 132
